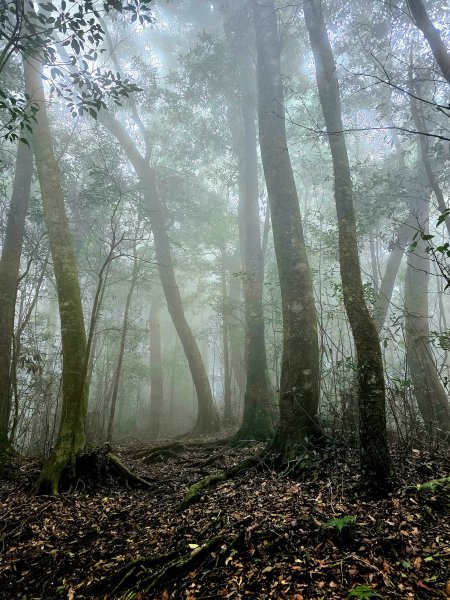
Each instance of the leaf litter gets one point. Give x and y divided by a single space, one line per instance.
275 536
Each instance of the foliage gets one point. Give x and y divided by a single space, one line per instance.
341 523
363 592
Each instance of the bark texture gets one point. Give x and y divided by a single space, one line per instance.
123 337
207 419
429 392
299 382
156 373
374 453
9 278
432 35
71 435
257 419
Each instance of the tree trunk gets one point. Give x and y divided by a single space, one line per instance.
374 453
432 35
405 233
228 416
299 383
9 278
71 435
156 374
235 327
257 420
430 394
428 390
123 337
207 419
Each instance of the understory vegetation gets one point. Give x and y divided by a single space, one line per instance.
224 299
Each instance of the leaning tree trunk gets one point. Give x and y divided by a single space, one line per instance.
156 373
207 419
299 384
257 419
71 436
374 452
9 278
432 35
383 298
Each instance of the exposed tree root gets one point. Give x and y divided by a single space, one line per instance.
286 458
197 488
155 454
143 575
88 467
123 471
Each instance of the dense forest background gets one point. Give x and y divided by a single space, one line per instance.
226 221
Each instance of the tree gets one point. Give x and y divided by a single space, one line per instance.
156 372
123 337
9 277
71 436
375 461
299 383
257 419
423 22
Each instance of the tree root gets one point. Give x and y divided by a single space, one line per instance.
157 453
89 467
125 472
133 579
197 488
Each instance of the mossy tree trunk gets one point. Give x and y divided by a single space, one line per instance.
299 382
375 461
156 373
9 278
71 436
257 419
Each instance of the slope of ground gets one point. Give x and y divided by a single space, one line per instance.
263 535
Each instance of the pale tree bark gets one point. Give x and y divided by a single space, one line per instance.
257 419
9 278
423 22
121 352
299 382
404 235
71 436
207 419
156 372
228 413
236 325
429 392
375 463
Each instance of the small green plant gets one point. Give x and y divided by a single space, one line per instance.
363 592
341 523
433 484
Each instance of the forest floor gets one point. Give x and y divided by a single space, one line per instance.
274 536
